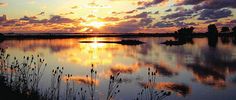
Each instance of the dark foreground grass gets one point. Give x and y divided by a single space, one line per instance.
19 80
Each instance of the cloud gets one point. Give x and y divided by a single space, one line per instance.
163 24
126 12
124 69
183 24
31 24
207 76
182 13
3 4
141 15
210 21
168 10
9 23
215 4
146 4
91 16
106 19
54 19
84 80
145 21
59 19
95 5
68 13
28 18
157 12
190 2
180 89
176 23
3 18
120 68
208 14
162 70
130 12
41 13
74 7
233 21
123 27
179 9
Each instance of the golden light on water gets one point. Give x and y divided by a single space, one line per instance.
95 44
94 53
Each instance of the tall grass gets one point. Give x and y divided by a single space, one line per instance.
149 92
22 78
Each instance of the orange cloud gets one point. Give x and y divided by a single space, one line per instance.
180 89
110 19
3 4
83 80
124 69
120 68
210 80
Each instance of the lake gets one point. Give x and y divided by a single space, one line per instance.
193 71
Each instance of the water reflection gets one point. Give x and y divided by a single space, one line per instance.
179 68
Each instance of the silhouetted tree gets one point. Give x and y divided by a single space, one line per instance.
225 40
234 35
225 29
212 35
234 29
184 35
212 29
1 37
224 36
185 31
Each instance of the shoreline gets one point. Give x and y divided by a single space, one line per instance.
20 36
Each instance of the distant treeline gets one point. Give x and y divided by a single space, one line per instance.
225 31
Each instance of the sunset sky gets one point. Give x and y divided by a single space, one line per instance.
114 16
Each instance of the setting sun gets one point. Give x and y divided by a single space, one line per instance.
96 24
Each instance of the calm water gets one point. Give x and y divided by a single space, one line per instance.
200 71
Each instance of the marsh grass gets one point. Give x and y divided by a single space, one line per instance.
113 87
70 88
53 92
92 85
21 78
149 92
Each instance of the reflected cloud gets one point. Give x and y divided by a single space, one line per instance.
208 76
124 69
179 89
121 68
209 66
161 70
82 80
55 45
